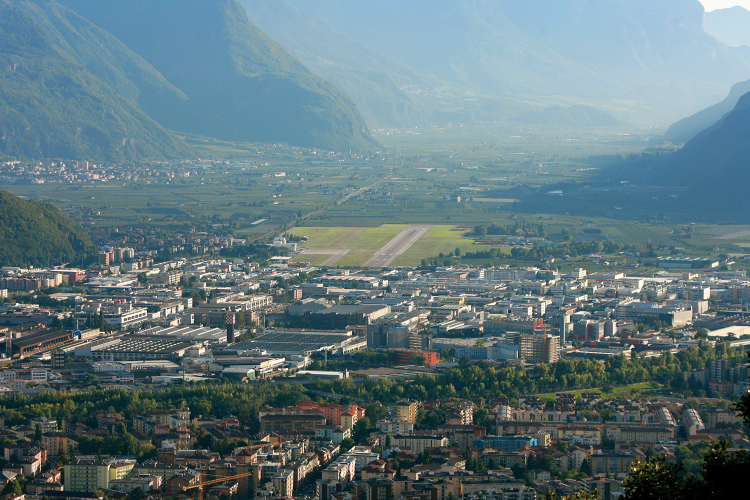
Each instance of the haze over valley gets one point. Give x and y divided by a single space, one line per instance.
374 249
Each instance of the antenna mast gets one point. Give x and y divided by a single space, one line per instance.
182 430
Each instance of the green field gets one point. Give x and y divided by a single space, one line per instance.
418 181
348 238
438 239
615 392
363 242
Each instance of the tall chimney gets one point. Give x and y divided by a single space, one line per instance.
231 318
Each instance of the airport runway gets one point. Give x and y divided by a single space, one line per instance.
335 254
331 261
397 245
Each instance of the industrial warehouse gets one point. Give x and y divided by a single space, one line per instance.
188 333
134 347
303 342
35 341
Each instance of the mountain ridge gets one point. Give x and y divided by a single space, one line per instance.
650 58
714 164
240 84
34 233
683 130
53 107
730 26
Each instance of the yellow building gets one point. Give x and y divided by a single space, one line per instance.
460 301
406 411
348 419
86 475
119 469
58 444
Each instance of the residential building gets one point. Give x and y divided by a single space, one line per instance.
419 443
291 424
536 348
505 443
692 422
613 463
406 411
283 483
580 434
86 475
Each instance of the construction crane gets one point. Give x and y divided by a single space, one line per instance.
230 478
214 481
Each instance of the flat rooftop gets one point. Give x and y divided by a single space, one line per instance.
292 342
145 345
200 333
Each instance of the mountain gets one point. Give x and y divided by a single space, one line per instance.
388 92
466 42
687 128
39 234
70 90
650 58
714 165
240 85
730 26
654 51
577 116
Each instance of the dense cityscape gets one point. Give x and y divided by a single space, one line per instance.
458 381
374 250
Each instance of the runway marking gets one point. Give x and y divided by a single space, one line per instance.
332 260
398 245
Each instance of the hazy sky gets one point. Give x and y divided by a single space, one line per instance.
723 4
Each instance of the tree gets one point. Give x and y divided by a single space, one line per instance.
722 474
362 429
240 320
38 433
586 467
417 359
743 406
347 444
548 463
655 480
146 452
137 494
13 487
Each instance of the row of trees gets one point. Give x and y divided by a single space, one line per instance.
473 379
469 379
